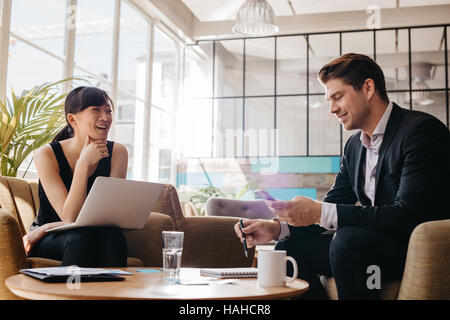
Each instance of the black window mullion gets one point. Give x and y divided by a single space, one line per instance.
374 45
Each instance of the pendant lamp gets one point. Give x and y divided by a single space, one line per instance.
255 18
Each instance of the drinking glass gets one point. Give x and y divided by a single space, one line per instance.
172 246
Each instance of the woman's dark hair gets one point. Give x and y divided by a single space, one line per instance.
354 69
79 99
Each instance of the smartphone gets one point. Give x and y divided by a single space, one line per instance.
263 194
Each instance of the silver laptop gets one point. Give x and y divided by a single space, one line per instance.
122 203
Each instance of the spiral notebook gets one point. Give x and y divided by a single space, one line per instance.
225 273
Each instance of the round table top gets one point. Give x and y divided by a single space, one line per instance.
151 284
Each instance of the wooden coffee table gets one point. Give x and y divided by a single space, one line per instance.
152 285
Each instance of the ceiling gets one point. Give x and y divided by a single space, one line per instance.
220 10
426 41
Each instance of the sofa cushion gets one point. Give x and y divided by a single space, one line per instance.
34 185
36 262
146 242
16 197
134 262
215 239
170 205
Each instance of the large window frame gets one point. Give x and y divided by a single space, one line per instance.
410 91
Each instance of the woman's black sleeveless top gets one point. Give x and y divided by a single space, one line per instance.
46 212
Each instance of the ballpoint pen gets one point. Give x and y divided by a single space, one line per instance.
241 226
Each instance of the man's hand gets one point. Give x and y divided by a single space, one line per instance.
300 211
258 231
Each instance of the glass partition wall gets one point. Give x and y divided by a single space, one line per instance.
261 97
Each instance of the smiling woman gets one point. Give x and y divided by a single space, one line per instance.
67 169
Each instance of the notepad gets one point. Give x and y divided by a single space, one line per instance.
225 273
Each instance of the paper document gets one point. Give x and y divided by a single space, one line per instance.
74 270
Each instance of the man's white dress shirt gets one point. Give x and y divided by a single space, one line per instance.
329 219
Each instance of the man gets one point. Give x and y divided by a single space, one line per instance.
396 167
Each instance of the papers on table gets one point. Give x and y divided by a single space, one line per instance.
74 270
74 273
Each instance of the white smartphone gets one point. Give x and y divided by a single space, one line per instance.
263 194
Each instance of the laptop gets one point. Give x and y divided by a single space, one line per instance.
122 203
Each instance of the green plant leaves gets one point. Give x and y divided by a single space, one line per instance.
28 122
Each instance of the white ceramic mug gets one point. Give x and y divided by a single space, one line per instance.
272 268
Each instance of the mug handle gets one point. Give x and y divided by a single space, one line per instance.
294 264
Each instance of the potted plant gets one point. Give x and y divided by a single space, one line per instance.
28 122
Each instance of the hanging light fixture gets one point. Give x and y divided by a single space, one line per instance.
420 73
255 18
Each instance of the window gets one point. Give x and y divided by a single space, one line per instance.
270 84
110 52
259 66
324 129
291 65
259 137
428 72
291 123
94 40
228 68
164 100
35 48
196 116
228 125
131 86
33 24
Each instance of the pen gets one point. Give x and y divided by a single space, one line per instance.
241 225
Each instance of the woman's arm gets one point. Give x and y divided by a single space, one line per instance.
119 161
66 204
32 237
48 172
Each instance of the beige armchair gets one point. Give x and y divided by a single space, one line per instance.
209 241
426 275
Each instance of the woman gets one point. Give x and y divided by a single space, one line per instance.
67 168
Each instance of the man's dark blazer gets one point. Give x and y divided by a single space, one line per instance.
412 177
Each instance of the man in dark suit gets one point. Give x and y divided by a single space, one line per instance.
394 175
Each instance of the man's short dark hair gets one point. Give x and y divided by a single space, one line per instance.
354 69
